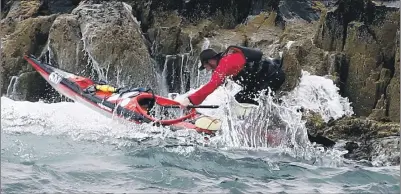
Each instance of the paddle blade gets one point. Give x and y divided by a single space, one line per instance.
243 109
208 123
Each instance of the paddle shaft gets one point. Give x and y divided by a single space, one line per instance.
192 106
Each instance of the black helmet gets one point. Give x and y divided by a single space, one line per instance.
207 54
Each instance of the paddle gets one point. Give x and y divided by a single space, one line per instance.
192 106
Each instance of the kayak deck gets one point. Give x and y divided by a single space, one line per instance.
135 105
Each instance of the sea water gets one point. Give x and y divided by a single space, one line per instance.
66 147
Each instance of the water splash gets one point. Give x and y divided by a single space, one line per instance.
283 119
12 87
54 119
175 76
321 95
205 44
278 124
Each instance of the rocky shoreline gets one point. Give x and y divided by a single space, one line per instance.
355 42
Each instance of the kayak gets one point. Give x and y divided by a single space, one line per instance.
137 105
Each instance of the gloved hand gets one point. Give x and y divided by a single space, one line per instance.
184 102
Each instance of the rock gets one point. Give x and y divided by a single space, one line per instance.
165 19
66 49
303 9
314 122
386 151
393 88
357 151
225 13
224 38
333 29
380 152
29 86
379 112
261 32
358 129
48 7
365 139
365 33
292 68
165 40
337 63
312 59
23 9
260 6
5 8
29 37
114 43
367 75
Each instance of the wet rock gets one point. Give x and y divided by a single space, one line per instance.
303 55
366 139
292 68
369 67
114 43
66 49
359 129
379 112
5 7
302 9
262 33
224 38
365 33
226 13
380 152
337 64
333 29
393 88
30 37
386 151
314 122
48 7
165 40
357 151
23 9
29 86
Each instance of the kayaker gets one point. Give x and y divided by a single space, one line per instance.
246 66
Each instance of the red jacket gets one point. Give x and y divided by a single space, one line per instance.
229 65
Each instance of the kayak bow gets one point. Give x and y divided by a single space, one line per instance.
133 105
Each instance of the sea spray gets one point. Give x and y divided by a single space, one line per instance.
279 121
11 89
282 118
319 94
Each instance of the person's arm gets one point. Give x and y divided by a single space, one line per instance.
228 65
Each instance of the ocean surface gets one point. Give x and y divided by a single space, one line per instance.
66 147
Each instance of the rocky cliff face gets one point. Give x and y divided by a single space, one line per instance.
367 34
354 42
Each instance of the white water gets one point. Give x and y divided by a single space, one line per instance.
81 123
314 93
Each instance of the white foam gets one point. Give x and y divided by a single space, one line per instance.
77 121
74 120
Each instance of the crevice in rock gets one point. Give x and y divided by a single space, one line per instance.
343 73
48 7
41 41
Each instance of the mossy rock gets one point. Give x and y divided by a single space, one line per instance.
29 37
393 89
24 9
360 129
314 122
30 86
